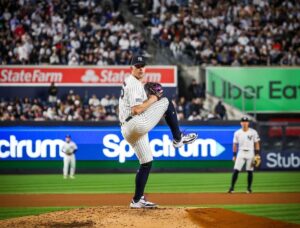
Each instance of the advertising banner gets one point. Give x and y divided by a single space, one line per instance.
275 89
286 160
107 143
81 76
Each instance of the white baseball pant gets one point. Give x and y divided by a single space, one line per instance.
69 160
242 158
136 130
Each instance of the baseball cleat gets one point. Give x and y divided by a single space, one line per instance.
143 203
249 191
230 190
185 139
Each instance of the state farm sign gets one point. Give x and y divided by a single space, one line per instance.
31 76
81 76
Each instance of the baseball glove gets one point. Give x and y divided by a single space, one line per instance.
68 151
154 88
256 161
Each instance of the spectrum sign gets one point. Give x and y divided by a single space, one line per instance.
107 143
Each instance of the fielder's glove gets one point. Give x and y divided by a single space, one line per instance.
256 161
68 151
154 88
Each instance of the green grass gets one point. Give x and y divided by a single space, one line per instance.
158 183
12 212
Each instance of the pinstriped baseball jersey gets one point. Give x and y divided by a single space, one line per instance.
245 141
135 131
132 94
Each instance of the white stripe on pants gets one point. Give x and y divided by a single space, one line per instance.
136 130
69 160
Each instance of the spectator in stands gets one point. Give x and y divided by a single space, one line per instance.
196 106
135 6
181 108
94 101
177 48
50 113
220 110
196 90
54 58
52 93
105 101
194 116
113 101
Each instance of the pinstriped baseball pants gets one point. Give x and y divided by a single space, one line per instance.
136 130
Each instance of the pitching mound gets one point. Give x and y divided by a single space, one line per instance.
119 216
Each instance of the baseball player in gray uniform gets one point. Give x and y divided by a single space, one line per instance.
138 114
69 148
245 146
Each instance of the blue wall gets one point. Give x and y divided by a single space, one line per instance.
107 143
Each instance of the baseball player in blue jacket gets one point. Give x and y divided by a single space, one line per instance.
138 114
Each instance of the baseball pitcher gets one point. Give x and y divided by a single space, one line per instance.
69 148
245 150
139 112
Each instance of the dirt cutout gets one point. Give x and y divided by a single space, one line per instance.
218 217
120 216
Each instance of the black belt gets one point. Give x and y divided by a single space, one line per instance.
126 120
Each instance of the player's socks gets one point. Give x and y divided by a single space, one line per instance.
172 121
234 178
141 180
250 179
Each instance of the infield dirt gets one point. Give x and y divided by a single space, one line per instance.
120 216
111 210
45 200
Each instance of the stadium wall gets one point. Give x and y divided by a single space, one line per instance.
34 147
33 81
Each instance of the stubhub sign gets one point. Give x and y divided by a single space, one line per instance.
107 143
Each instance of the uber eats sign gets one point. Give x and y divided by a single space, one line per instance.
256 89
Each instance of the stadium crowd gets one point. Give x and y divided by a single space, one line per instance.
72 107
94 32
91 32
228 32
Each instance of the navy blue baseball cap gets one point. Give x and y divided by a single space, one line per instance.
68 136
244 119
138 60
